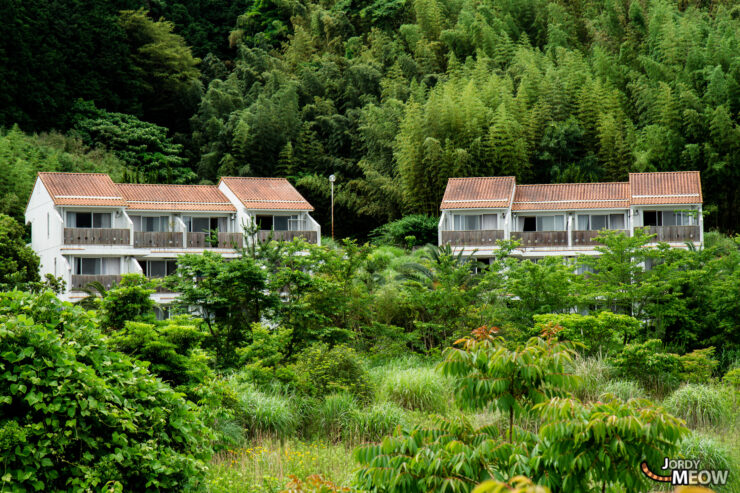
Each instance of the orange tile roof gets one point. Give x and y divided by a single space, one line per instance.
478 192
571 196
175 198
266 193
88 189
672 187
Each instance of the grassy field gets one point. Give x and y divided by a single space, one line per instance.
417 394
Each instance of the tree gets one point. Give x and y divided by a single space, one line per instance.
169 78
128 301
19 264
229 295
489 373
148 153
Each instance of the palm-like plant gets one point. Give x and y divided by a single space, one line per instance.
442 266
95 291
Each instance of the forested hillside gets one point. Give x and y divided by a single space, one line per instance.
392 96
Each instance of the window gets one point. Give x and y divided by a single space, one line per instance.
88 219
652 218
685 218
551 223
200 224
489 221
467 222
151 224
616 221
159 268
281 223
97 266
596 222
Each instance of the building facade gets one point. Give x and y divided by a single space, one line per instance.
86 228
564 219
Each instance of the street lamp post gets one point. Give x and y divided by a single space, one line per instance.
332 178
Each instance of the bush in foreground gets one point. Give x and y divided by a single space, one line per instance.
75 415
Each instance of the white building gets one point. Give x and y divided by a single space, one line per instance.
86 228
564 219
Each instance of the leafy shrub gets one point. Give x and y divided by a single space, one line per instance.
698 365
622 389
322 371
732 378
266 414
128 301
171 347
649 364
74 414
422 228
700 405
263 359
604 332
421 389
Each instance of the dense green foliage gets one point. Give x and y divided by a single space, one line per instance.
76 415
20 264
392 97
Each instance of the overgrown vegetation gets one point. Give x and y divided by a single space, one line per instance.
376 367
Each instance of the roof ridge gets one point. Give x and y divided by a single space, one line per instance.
254 178
661 172
168 185
478 177
73 173
575 183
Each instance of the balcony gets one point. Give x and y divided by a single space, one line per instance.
588 238
225 240
483 237
674 234
80 281
529 239
145 239
264 234
96 236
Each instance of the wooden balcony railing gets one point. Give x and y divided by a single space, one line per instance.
265 234
79 281
674 234
225 240
483 237
96 236
167 239
588 238
530 239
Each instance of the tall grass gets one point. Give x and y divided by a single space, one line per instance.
701 405
622 389
267 414
593 373
419 389
713 454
